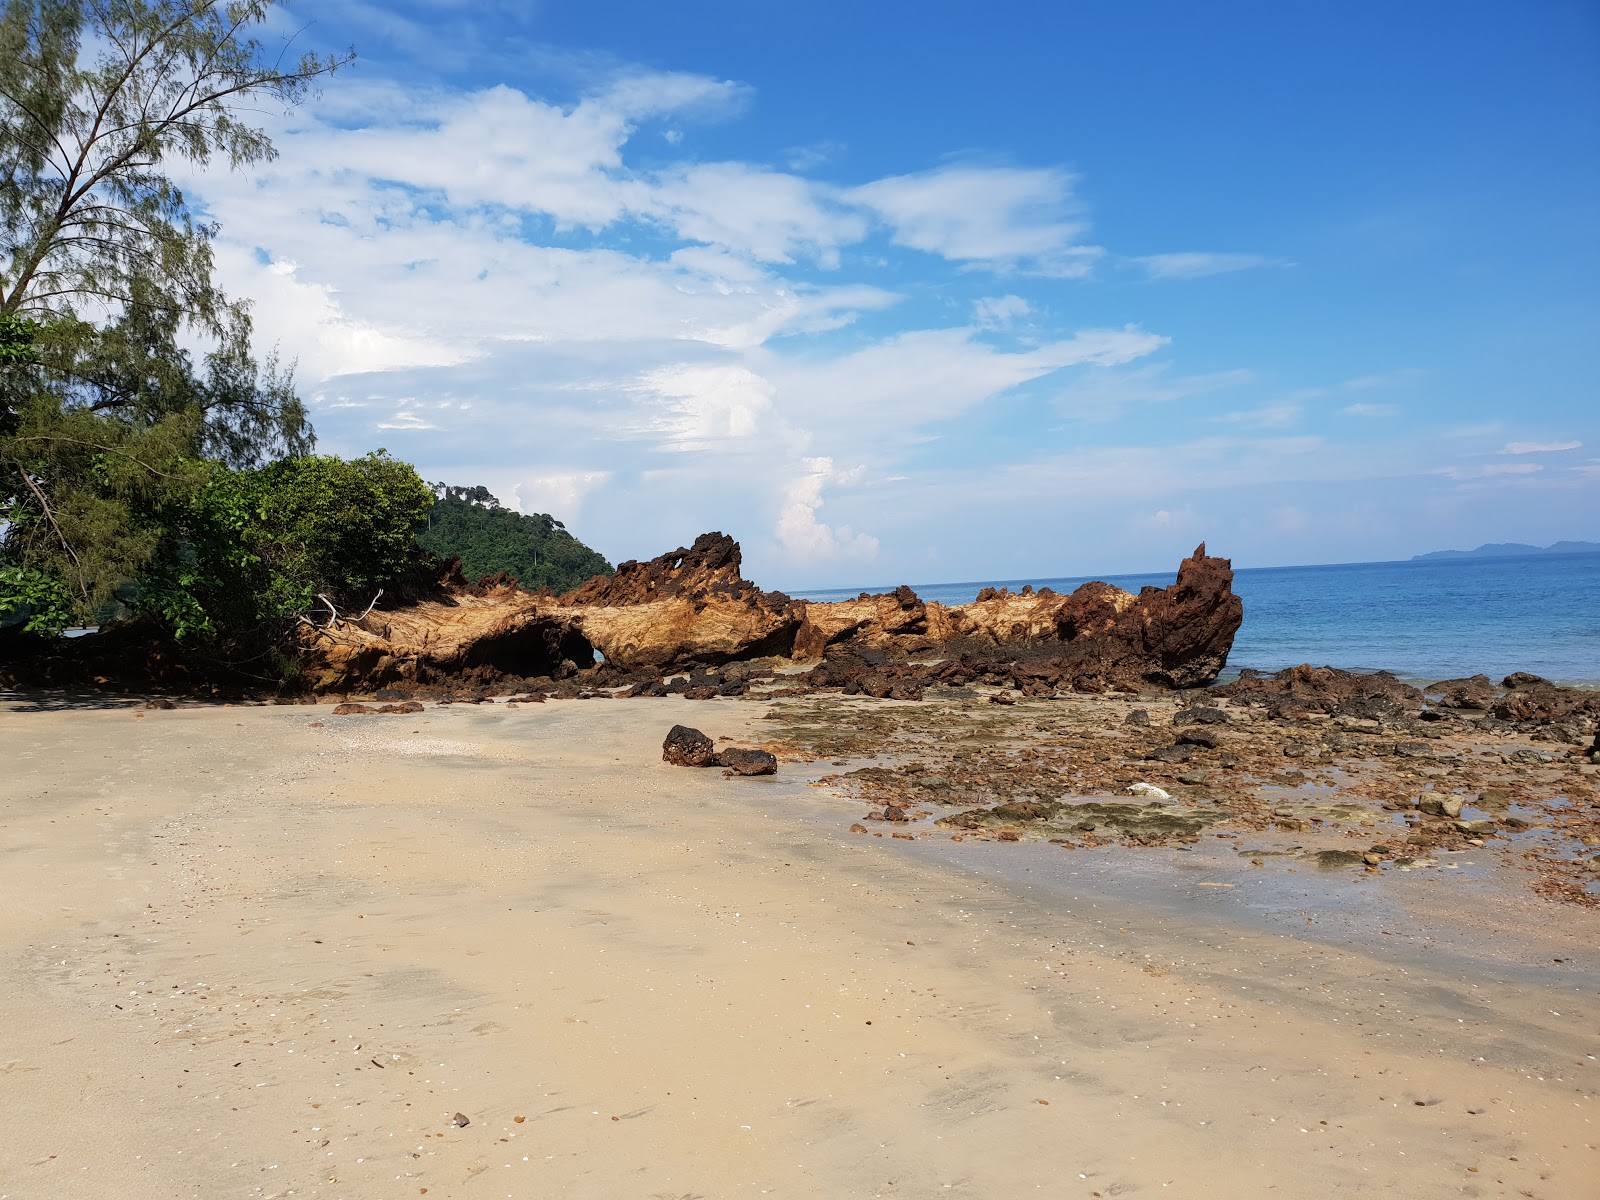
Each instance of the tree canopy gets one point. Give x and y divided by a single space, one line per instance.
111 428
536 550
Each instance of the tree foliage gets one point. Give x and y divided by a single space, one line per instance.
111 429
255 548
468 523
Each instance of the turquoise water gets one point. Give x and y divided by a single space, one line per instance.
1422 620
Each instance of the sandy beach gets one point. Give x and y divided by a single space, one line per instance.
491 951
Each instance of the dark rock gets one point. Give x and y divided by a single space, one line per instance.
1138 716
409 707
1296 691
159 702
650 687
1172 754
700 693
1194 778
1413 750
1199 736
1200 715
391 694
686 747
748 762
1522 679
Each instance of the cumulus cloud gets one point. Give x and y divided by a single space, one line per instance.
802 534
557 491
707 403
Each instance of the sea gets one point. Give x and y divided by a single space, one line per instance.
1424 621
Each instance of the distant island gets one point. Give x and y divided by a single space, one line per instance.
1510 550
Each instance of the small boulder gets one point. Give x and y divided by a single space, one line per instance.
1440 806
686 747
1196 735
746 762
1138 716
1522 679
1200 715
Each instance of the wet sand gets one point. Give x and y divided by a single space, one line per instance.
245 956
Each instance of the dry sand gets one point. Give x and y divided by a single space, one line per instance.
242 955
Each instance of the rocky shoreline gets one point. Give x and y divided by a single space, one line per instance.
1085 720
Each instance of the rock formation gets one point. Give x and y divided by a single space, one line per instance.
692 608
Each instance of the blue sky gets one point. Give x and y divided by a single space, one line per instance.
927 292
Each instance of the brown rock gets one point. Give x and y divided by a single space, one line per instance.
746 762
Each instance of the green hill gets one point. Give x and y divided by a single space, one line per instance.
537 551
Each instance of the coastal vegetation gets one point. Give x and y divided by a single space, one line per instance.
152 462
534 549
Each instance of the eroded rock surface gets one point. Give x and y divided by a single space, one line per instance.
692 609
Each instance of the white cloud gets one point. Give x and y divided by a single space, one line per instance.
1198 265
1102 393
1370 410
1279 415
747 209
808 539
1489 471
1006 218
1540 447
999 312
558 492
707 403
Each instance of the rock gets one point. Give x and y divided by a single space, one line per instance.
1372 860
1148 790
1296 691
1199 715
858 828
1440 806
1541 703
700 693
160 702
686 747
1413 750
692 607
1528 758
1002 698
1138 716
1476 826
1475 692
1523 679
1335 859
1199 736
353 710
1194 778
1177 753
460 1120
746 762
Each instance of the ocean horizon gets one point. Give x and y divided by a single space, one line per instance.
1424 621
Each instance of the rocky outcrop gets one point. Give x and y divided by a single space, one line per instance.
690 606
692 609
1296 691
